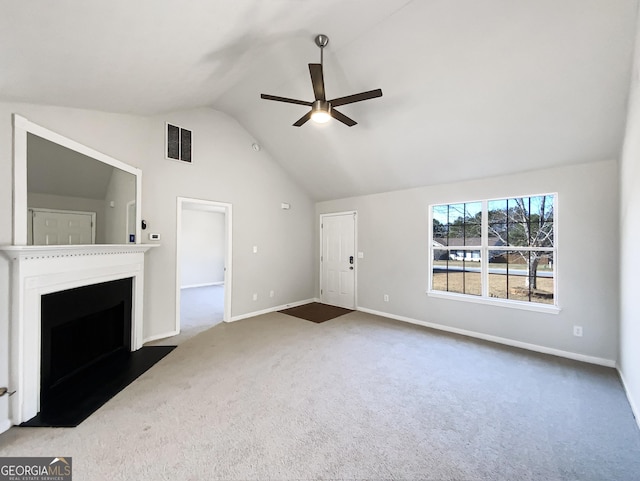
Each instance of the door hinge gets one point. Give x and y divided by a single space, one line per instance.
321 258
4 390
321 292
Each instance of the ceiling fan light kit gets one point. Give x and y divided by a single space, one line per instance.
322 109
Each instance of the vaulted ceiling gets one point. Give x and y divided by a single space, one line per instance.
472 88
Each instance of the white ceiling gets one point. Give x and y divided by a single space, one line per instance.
472 88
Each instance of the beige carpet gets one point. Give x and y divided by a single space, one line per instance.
358 397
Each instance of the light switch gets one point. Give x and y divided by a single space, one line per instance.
255 249
360 255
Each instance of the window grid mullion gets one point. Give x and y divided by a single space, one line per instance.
484 251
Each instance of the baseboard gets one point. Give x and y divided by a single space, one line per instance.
160 336
500 340
5 424
635 408
207 284
273 309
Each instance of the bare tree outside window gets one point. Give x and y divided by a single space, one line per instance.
523 222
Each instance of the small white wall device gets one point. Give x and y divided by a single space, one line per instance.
154 237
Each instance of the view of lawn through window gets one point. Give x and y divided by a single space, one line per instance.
502 248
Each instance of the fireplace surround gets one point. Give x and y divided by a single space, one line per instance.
42 270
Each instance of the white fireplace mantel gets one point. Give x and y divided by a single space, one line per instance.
40 270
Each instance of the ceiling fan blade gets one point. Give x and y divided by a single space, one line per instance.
342 118
350 99
284 99
317 80
303 119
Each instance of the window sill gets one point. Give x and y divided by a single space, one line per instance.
525 306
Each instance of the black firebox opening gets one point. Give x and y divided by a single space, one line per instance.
86 333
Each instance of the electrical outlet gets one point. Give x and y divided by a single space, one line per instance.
577 331
271 293
255 297
386 298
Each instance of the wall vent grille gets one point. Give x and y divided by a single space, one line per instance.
179 143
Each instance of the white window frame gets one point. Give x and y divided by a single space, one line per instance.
484 249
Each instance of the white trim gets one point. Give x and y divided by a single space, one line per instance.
635 408
35 252
499 340
354 213
491 301
5 425
22 126
159 336
227 210
206 284
273 309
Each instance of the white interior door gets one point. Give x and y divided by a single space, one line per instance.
337 260
51 227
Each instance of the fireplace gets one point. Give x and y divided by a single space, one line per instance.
85 333
39 271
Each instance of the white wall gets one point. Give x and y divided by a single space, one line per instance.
50 201
629 360
202 248
393 233
225 169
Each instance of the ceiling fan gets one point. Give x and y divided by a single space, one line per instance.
321 108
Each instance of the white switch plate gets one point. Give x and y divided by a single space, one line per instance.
255 297
255 249
386 298
577 331
360 255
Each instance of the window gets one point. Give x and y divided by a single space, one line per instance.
501 249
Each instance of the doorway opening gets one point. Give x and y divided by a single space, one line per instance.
203 265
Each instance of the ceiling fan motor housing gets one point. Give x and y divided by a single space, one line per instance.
321 105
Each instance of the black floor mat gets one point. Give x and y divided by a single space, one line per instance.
79 403
316 312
